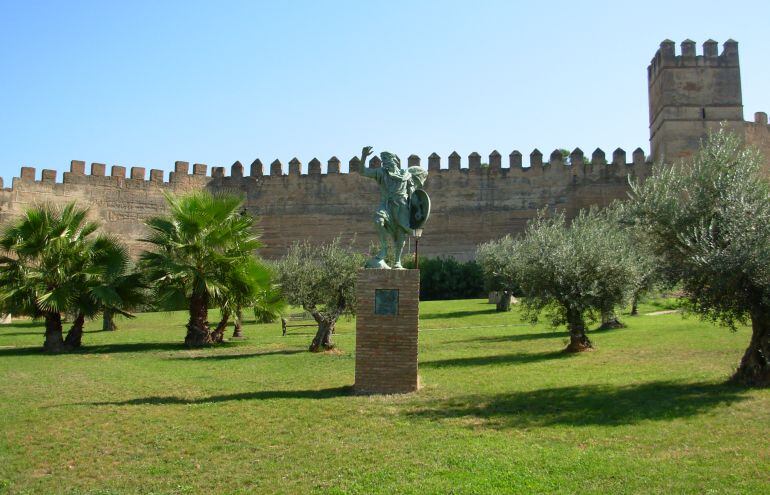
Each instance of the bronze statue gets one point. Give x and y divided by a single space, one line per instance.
404 205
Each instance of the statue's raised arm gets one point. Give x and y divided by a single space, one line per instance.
365 152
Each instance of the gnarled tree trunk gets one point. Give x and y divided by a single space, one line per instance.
503 301
198 331
754 369
218 334
578 340
108 321
323 337
54 342
75 335
238 331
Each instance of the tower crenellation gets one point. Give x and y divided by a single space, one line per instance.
691 94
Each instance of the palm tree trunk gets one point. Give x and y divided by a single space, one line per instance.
238 331
75 335
53 333
198 331
218 334
108 321
578 340
754 369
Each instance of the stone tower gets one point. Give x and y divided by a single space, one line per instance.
691 94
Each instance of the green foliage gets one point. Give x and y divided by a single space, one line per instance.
270 305
709 221
446 278
497 265
202 247
54 264
573 272
46 255
321 278
204 253
111 280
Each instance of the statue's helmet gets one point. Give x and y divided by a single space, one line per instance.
390 160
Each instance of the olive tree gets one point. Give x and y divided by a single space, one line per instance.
321 278
573 272
497 265
709 221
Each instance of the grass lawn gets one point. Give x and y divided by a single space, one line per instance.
502 411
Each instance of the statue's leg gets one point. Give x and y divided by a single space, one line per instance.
382 232
379 260
398 247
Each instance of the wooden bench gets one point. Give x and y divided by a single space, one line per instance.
304 316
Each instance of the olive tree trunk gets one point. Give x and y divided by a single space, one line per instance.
503 301
75 335
754 369
578 340
54 342
198 331
323 337
108 321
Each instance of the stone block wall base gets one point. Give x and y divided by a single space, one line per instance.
386 331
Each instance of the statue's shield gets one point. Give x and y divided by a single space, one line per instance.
419 209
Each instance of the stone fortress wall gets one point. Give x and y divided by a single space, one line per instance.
473 200
471 204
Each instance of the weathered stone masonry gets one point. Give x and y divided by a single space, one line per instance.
471 205
689 94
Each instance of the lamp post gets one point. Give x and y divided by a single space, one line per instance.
417 233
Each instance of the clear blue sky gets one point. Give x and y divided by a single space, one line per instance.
147 83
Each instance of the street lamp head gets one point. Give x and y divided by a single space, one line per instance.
417 233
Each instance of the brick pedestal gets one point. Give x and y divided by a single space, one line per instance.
386 331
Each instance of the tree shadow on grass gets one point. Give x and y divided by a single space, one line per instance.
224 357
457 314
518 337
41 332
112 348
326 393
587 405
517 358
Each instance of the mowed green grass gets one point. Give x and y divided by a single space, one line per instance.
501 410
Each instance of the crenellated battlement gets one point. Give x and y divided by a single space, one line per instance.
709 56
691 94
120 176
476 197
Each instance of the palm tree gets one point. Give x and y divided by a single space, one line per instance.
41 268
108 286
196 249
245 282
